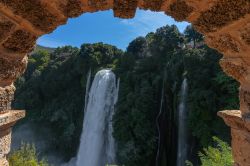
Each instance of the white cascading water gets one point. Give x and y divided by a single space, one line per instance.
182 126
97 145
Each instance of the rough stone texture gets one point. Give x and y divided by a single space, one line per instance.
10 69
72 8
20 41
236 68
97 3
240 146
245 34
240 132
180 10
7 120
6 96
4 162
34 11
223 13
235 120
125 8
224 23
224 43
245 101
154 5
6 26
5 141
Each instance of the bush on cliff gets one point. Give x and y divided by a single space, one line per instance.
218 155
26 155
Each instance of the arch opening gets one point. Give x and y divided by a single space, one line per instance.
23 21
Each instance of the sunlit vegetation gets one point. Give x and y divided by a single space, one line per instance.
217 155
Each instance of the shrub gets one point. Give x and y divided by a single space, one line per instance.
26 156
218 155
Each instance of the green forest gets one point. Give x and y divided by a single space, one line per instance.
52 92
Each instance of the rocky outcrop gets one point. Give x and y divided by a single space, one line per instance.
240 128
7 120
224 23
6 96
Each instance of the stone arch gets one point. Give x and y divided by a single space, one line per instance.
224 23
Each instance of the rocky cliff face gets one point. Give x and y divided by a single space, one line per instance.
225 24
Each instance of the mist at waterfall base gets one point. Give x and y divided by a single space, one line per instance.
38 135
182 126
97 145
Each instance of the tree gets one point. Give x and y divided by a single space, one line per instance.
137 47
192 35
38 61
164 40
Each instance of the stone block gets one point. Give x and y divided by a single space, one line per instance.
10 69
241 147
20 41
221 14
125 8
179 10
6 97
5 142
35 12
6 27
7 120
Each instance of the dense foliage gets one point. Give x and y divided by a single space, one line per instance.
53 88
218 155
26 156
53 92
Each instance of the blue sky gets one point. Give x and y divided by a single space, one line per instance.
103 27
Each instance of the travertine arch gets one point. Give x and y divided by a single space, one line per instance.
225 24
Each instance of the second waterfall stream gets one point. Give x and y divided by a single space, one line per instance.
97 145
182 126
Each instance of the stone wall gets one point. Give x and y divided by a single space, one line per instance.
225 24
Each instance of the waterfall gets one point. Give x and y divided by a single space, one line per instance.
87 91
97 145
158 126
182 126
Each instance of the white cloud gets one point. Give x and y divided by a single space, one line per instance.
148 21
49 42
